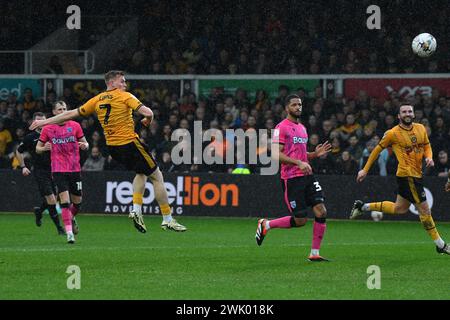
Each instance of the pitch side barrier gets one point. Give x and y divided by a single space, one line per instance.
110 192
374 85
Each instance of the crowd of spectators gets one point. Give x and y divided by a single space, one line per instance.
285 37
239 37
352 126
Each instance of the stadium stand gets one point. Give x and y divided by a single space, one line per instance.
241 39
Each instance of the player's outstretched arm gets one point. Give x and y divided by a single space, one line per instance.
320 150
71 114
43 147
147 113
372 157
428 154
83 144
19 155
361 175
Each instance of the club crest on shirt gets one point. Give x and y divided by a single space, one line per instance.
69 129
413 139
276 132
293 204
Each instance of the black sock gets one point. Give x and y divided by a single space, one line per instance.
320 220
43 206
292 221
54 215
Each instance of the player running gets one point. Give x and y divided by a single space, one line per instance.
42 174
64 141
301 189
410 144
114 109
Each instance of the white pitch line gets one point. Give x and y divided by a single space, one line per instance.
80 247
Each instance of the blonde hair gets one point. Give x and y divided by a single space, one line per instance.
110 75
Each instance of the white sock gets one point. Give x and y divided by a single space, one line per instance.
365 207
314 252
137 208
440 243
167 218
267 225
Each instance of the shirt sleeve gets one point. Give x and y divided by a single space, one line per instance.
44 135
21 148
372 157
428 152
88 108
132 101
387 139
279 135
25 145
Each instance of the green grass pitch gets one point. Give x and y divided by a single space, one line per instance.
217 258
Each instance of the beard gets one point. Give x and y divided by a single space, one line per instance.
406 121
295 114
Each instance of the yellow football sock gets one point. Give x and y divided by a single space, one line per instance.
165 209
137 198
384 206
430 227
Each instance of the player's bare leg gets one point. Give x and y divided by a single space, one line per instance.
51 203
138 191
74 208
430 227
320 213
67 215
163 201
400 206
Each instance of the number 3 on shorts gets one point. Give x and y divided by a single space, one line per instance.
318 187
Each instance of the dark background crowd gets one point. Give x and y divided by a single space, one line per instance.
352 126
244 37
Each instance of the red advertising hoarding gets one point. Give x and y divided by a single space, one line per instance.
380 88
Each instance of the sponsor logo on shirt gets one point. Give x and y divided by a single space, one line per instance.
63 140
299 140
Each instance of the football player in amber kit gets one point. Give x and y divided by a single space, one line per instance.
410 144
114 108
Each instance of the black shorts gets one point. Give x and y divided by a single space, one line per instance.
301 193
134 156
45 182
68 181
411 189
